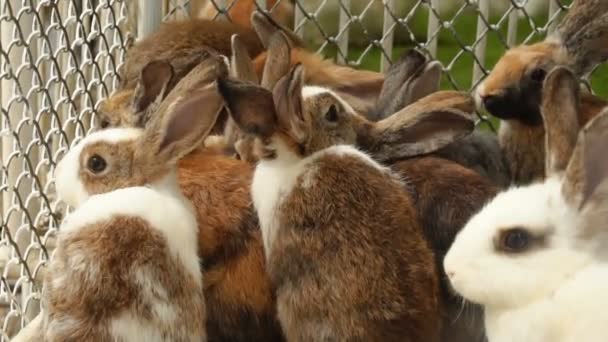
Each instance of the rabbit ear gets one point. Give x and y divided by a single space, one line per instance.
278 60
241 63
288 100
398 76
560 109
266 27
588 167
426 83
184 122
153 85
250 106
584 33
421 128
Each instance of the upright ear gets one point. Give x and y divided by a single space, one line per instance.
278 60
266 27
421 128
241 64
250 106
287 95
185 122
397 78
588 167
584 34
424 83
153 85
560 110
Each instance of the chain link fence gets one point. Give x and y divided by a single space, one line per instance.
59 58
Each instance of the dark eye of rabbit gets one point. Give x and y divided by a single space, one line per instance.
514 240
332 114
104 124
96 164
538 75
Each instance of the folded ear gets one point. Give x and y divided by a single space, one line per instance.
560 111
397 78
250 106
278 60
421 128
587 171
241 64
584 34
266 27
287 95
185 122
152 86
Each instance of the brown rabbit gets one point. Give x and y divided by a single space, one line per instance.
179 41
307 187
240 11
239 298
512 91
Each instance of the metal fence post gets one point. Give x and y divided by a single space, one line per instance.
388 34
480 48
149 17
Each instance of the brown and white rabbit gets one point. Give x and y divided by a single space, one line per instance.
413 77
180 41
126 265
240 301
342 270
512 91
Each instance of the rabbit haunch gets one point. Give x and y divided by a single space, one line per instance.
143 245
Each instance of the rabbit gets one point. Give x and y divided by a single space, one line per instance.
513 90
535 255
413 77
126 265
360 88
238 293
181 41
240 11
305 138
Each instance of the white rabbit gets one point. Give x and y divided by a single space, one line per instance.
535 256
126 267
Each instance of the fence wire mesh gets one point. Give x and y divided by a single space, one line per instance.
59 58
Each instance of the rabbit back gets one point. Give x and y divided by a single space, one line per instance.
343 271
117 275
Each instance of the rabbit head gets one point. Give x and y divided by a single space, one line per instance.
122 157
528 240
134 107
512 91
306 119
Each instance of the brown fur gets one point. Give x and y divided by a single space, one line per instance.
337 266
107 247
447 195
240 11
180 40
240 300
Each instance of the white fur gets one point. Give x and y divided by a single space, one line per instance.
31 332
274 179
551 293
127 327
165 213
309 92
67 181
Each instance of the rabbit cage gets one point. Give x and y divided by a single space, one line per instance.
60 58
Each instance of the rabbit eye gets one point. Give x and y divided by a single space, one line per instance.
104 124
515 240
538 75
96 164
332 114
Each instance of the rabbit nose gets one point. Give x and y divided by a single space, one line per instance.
490 101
